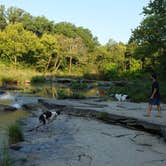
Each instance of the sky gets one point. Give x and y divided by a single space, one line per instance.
106 19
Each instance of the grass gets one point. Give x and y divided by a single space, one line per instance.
139 90
9 74
38 79
102 116
77 85
6 159
15 133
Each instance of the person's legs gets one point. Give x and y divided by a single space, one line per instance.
149 109
159 110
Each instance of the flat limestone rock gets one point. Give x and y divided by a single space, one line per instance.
7 108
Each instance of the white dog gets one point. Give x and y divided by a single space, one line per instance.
121 97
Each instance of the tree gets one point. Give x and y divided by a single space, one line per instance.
111 42
71 31
18 45
49 55
3 22
117 54
12 45
42 25
14 15
151 36
72 50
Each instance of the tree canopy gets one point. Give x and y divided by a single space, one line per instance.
150 36
37 42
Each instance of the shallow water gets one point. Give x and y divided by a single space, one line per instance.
51 90
29 93
8 118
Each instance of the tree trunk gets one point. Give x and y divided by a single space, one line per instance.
70 64
46 68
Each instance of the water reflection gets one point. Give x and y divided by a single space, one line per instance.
29 94
52 90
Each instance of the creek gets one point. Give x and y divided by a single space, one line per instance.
30 94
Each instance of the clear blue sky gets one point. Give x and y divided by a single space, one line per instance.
105 18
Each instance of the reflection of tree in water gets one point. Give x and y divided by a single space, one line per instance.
54 92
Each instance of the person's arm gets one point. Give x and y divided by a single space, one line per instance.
154 92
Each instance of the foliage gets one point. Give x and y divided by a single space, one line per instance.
6 159
3 22
78 85
15 133
71 31
20 75
76 95
64 94
65 49
8 80
150 36
137 90
102 116
38 79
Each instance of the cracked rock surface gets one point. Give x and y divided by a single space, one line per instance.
76 141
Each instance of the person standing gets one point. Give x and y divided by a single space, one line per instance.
155 96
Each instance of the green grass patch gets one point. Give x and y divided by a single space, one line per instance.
78 85
6 159
77 95
9 74
15 133
102 116
8 80
38 79
139 90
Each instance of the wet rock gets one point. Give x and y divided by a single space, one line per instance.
79 142
6 87
163 131
7 108
112 118
15 147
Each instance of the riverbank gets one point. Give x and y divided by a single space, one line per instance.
81 140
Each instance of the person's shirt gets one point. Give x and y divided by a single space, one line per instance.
155 85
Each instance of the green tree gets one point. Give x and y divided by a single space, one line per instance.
151 36
14 15
71 31
11 43
17 44
41 25
3 21
50 53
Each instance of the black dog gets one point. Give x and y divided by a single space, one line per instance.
48 116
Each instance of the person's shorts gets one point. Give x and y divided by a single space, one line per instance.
154 101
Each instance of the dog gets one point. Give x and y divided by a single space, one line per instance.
121 97
48 116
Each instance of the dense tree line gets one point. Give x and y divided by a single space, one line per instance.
50 47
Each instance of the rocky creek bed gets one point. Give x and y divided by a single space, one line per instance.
80 136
